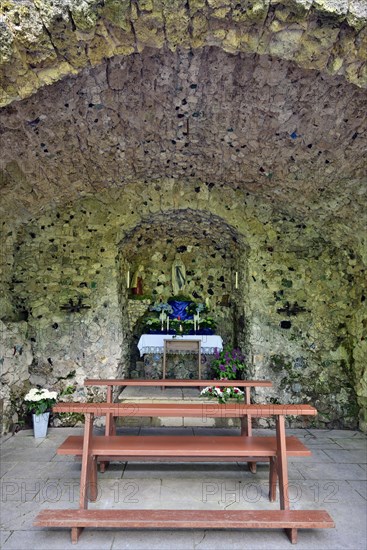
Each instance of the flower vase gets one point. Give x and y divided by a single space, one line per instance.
40 424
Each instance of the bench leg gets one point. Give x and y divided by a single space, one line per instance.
273 476
292 534
75 534
246 428
252 467
103 466
110 425
87 460
93 484
281 460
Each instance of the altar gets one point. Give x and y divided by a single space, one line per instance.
154 343
182 364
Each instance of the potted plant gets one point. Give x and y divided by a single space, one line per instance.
39 402
229 363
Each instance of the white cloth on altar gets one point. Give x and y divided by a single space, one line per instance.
154 343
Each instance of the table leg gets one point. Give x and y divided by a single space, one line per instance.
110 421
86 461
110 426
282 468
246 426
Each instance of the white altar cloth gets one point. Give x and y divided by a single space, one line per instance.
154 343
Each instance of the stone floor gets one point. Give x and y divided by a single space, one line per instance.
34 477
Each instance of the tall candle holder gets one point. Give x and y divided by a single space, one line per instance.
163 317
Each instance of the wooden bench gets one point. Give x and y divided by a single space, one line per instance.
290 520
246 385
183 448
111 445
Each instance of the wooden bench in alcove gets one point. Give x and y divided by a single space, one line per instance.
110 383
290 520
183 448
246 385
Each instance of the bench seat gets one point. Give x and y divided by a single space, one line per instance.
182 446
291 520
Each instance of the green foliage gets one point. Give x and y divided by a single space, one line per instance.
208 322
187 325
70 419
153 323
69 390
229 364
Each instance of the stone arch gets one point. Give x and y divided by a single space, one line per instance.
212 250
63 39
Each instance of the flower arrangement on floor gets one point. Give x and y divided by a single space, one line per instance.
229 363
39 401
222 394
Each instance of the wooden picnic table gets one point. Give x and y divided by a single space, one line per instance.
290 520
205 410
110 383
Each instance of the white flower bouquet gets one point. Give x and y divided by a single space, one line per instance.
222 394
39 401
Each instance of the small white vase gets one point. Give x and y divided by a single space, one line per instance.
40 424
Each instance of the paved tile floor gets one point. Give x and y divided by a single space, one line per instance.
34 477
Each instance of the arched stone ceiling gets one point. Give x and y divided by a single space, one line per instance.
291 137
182 227
44 40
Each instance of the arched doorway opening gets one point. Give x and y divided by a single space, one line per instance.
193 255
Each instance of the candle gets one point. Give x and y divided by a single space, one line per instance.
167 323
236 281
196 321
128 278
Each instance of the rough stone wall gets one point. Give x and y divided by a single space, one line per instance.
45 41
306 322
299 304
248 119
15 360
